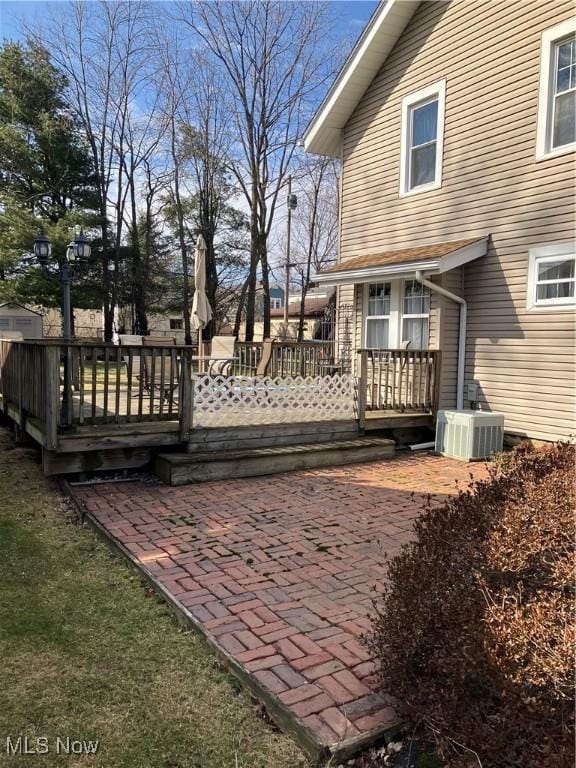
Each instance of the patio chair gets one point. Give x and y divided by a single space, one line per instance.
267 347
221 355
160 372
131 340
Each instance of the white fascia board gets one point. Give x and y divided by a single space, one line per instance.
323 134
464 255
373 274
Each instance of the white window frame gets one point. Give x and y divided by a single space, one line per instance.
275 303
419 316
410 101
550 37
395 317
368 317
543 254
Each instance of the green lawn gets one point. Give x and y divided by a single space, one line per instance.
87 652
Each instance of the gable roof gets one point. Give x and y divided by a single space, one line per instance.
432 259
314 306
387 23
7 304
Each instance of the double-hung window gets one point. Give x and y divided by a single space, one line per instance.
415 314
552 277
557 101
397 312
378 316
422 139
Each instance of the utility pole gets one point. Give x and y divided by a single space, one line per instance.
292 202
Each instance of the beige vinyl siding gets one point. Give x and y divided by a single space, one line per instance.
448 337
346 298
489 55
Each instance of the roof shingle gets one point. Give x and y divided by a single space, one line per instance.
403 256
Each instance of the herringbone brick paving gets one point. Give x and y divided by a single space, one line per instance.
281 570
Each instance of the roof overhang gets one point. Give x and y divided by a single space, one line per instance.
323 134
352 272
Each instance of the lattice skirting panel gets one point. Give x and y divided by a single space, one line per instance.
232 401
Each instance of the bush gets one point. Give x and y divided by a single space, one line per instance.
475 631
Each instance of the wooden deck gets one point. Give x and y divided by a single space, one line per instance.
391 419
95 407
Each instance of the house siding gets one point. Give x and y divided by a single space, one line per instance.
489 55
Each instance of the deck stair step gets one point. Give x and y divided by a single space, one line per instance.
197 467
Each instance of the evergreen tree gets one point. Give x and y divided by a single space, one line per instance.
46 176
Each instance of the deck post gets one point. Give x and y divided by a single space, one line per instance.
362 389
186 395
52 394
437 357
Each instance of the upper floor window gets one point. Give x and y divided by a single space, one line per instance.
557 101
275 303
176 324
552 277
422 139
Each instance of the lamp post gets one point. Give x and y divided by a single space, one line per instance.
292 203
77 254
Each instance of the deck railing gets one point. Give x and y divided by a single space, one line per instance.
23 376
50 386
65 385
117 384
301 358
248 356
400 379
285 358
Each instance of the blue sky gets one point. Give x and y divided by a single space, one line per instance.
353 13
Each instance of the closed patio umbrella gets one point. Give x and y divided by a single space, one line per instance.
201 309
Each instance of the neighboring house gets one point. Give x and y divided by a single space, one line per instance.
315 318
455 124
276 297
16 318
89 323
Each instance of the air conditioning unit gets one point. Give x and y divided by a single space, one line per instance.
469 435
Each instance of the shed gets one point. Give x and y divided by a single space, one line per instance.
16 317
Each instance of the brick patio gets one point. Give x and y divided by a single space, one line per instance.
279 572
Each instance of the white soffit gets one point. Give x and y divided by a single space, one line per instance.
323 134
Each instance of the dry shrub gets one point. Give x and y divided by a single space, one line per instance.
476 628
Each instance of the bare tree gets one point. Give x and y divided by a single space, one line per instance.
205 145
101 46
273 59
315 226
175 75
144 131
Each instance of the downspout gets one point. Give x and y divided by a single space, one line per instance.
461 334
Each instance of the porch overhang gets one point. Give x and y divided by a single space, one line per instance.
403 264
